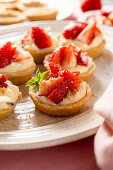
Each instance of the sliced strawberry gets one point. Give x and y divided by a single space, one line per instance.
105 12
3 80
58 55
72 79
69 57
59 93
52 76
87 5
83 59
71 31
46 87
41 39
88 34
6 54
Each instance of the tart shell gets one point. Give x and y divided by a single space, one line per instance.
60 110
20 76
5 112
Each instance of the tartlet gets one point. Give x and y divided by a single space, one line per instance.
63 93
39 43
9 96
87 36
72 58
16 64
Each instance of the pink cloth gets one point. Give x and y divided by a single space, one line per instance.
104 138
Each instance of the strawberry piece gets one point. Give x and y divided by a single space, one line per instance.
41 39
88 34
58 55
6 54
87 5
73 30
72 79
3 80
69 57
46 87
105 13
59 93
83 59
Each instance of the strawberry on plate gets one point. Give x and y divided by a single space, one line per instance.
41 38
88 34
69 56
72 30
6 54
87 5
3 80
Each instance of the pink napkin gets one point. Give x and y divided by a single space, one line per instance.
103 144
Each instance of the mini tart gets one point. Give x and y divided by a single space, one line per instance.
60 110
92 45
84 75
38 53
19 72
63 93
6 111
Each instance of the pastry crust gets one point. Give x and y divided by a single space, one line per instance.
21 76
84 76
5 112
41 13
60 110
92 52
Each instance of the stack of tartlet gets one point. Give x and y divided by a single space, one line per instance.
61 90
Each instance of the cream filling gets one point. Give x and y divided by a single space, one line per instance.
83 69
96 42
8 96
70 99
32 46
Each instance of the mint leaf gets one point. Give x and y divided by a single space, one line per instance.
36 80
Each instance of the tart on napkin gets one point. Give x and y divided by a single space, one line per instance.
39 43
72 58
61 93
16 64
87 36
9 95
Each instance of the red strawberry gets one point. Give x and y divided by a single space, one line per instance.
105 12
87 5
72 79
71 31
69 57
59 93
46 87
88 34
41 39
3 80
6 54
83 59
58 55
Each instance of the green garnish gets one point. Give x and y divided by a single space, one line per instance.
35 81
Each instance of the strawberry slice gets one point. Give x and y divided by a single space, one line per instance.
41 39
71 78
58 55
59 93
69 57
46 87
83 59
71 31
105 12
6 54
88 34
3 80
87 5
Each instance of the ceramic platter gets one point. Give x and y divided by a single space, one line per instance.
27 128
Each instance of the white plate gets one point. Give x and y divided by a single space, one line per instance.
28 128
